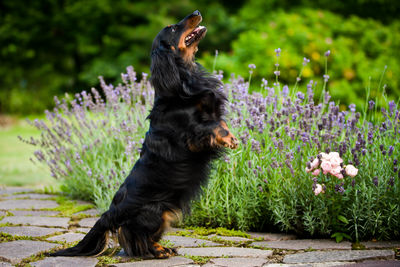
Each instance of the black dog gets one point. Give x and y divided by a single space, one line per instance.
186 133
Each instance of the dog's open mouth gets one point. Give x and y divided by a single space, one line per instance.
196 35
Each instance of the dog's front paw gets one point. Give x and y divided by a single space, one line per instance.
229 141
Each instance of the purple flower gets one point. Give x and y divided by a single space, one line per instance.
277 72
371 104
278 52
375 181
390 152
352 107
391 181
326 78
392 106
285 91
305 61
300 95
327 53
339 189
252 66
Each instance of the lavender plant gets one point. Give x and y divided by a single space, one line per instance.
91 140
265 183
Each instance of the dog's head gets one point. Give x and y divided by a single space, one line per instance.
181 38
175 47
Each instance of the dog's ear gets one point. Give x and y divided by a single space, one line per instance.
164 71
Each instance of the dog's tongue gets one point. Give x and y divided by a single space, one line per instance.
192 36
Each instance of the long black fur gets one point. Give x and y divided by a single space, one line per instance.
176 155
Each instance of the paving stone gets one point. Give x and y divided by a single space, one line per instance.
183 241
34 212
226 251
29 230
83 230
13 190
30 195
338 255
88 222
37 221
236 262
2 213
66 261
82 202
68 237
231 238
318 264
300 244
27 204
272 236
5 264
90 212
389 263
174 261
15 251
382 244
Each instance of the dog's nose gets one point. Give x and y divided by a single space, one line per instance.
197 13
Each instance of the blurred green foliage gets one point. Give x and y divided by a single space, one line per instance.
49 47
360 50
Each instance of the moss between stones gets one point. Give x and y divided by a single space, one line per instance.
166 243
202 231
68 207
198 259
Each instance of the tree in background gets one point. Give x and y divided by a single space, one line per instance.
49 47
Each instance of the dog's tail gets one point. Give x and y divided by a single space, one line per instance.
94 243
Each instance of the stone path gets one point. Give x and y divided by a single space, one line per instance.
30 227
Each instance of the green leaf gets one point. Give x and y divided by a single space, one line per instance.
338 236
343 219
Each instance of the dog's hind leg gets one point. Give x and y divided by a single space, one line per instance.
140 235
157 250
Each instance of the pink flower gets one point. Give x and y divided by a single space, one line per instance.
326 166
335 160
318 189
351 170
325 156
339 175
334 155
316 172
335 170
315 163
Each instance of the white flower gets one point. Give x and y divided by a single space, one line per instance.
351 170
318 189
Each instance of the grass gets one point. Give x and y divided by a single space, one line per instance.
15 167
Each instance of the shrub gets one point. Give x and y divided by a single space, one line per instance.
90 144
265 183
362 48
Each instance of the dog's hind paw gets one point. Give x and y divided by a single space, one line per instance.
161 252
